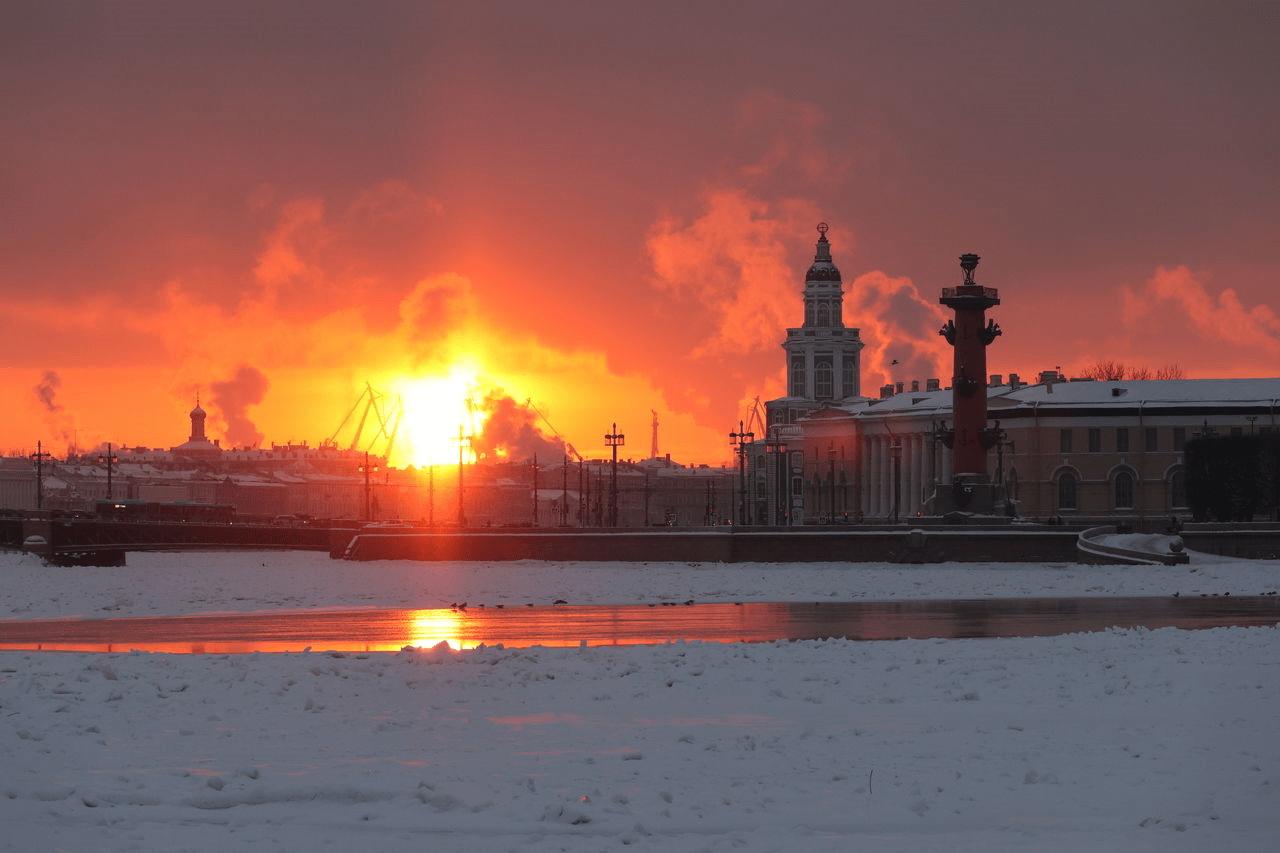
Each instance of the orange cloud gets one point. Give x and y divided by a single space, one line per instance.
1223 316
733 261
898 324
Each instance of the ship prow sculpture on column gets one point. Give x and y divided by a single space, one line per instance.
971 491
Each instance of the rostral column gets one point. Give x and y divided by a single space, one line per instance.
969 335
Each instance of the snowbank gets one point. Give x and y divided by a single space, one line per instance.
1121 740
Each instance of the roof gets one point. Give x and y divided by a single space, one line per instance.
1149 394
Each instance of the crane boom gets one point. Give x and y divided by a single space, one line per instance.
567 446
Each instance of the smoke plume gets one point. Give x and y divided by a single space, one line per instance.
247 387
511 430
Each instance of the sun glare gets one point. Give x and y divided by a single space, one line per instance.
437 409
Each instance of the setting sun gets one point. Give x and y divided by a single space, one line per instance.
436 411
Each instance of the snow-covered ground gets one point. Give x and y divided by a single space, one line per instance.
1123 740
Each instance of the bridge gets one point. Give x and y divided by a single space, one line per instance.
101 542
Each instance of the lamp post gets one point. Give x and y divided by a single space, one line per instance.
534 467
110 459
368 487
742 440
464 441
40 455
614 440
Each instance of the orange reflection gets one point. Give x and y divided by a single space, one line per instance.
429 628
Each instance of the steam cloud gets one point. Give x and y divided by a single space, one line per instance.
61 423
48 389
233 398
897 324
1224 317
511 430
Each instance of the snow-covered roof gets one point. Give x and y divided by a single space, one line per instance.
1151 392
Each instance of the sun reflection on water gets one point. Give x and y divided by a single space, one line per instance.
429 628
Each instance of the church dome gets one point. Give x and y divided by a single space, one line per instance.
823 269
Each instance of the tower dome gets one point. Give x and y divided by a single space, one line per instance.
823 268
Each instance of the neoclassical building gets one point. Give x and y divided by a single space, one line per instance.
1066 449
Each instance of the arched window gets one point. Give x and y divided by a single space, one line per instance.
848 387
1178 489
1067 491
823 379
797 376
1124 490
824 315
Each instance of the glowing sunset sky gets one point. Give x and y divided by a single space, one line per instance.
608 208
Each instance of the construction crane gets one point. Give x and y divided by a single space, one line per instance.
567 446
387 412
653 448
755 417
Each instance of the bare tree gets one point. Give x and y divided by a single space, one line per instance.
1105 370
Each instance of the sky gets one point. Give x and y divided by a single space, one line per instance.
534 221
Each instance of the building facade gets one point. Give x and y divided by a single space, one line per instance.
1066 451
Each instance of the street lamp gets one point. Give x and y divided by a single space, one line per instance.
368 488
110 459
776 447
614 440
464 441
742 440
40 455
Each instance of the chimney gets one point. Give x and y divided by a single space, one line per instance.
915 384
932 384
899 388
886 391
1015 381
996 380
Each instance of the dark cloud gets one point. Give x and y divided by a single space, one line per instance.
233 398
511 430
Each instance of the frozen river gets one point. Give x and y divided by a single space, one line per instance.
597 625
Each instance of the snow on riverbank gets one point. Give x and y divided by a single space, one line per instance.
1121 740
174 584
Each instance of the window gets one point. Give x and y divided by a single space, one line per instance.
797 486
1179 438
823 379
1064 440
1237 431
1151 440
1095 440
1178 489
1124 490
1067 491
847 386
1122 440
797 376
824 316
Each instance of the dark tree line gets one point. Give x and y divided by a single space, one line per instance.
1233 477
